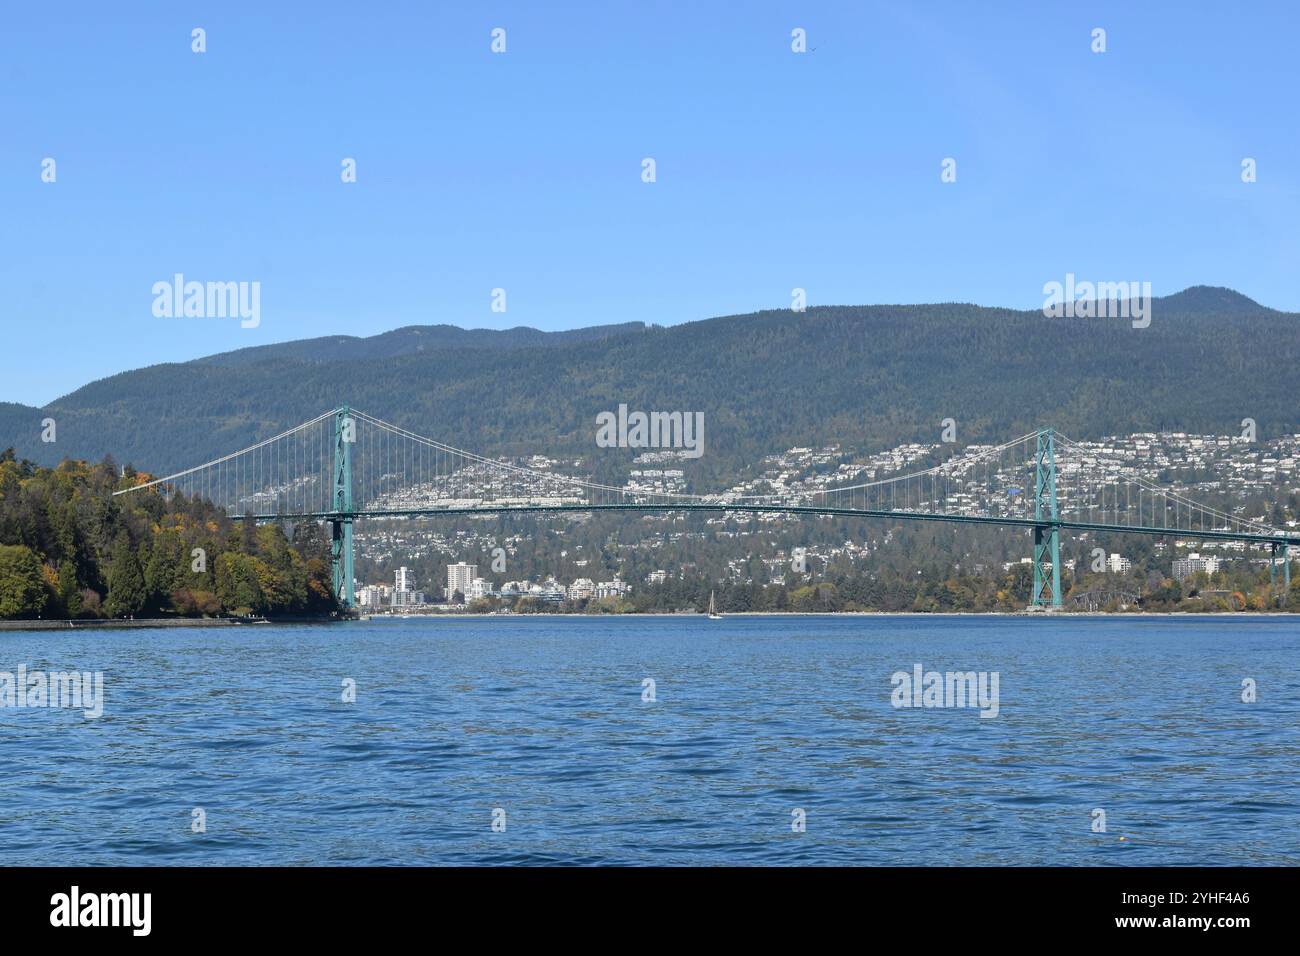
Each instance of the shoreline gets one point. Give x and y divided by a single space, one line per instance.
111 624
1232 615
159 623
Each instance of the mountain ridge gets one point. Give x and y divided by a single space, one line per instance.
420 337
865 375
1194 299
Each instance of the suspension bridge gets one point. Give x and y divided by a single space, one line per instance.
346 465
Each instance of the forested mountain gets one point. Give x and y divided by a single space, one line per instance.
866 376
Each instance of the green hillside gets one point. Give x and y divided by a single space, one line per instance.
866 376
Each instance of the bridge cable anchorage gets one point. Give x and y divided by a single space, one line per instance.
346 464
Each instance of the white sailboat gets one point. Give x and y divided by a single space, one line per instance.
713 611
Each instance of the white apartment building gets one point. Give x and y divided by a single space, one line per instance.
582 589
614 588
374 595
478 588
1186 567
404 592
1118 564
407 598
552 592
460 577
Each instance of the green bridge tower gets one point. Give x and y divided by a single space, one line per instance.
345 433
1047 530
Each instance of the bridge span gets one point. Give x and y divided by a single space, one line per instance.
344 466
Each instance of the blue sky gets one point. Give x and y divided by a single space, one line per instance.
522 170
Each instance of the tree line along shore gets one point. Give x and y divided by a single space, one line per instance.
71 550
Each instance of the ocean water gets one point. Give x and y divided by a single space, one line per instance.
541 723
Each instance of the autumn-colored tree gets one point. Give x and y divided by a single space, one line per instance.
23 590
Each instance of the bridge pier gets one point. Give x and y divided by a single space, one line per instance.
1047 548
1286 570
341 561
1047 534
1282 552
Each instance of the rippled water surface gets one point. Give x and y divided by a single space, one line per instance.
754 718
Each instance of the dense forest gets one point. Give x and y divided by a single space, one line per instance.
70 549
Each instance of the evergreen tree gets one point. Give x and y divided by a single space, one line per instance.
22 584
126 589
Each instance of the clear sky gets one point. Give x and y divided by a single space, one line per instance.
523 170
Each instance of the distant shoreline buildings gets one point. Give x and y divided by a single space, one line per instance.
463 580
403 593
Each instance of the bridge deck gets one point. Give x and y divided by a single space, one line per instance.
1004 522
